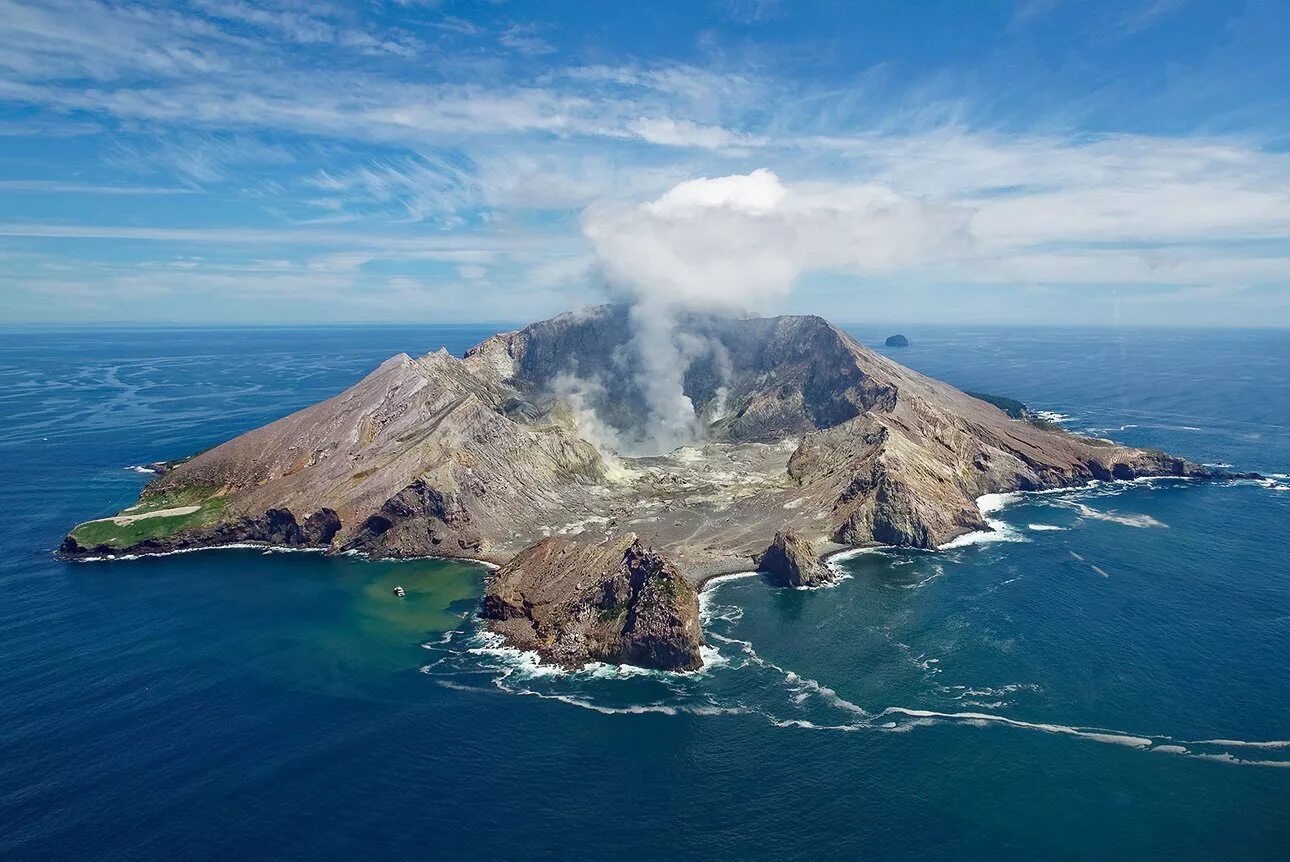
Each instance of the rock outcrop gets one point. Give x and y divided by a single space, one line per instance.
276 527
792 561
417 518
798 429
897 341
616 602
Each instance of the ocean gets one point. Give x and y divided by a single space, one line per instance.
1104 676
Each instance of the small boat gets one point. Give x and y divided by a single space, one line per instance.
398 591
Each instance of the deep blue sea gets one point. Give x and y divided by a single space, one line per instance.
1108 677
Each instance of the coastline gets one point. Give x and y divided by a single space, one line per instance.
267 548
987 503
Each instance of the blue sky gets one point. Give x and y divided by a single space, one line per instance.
1037 161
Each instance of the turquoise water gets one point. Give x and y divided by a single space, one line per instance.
1106 679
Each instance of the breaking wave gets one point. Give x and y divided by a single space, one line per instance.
999 531
737 680
231 546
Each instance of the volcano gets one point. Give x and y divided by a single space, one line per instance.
533 452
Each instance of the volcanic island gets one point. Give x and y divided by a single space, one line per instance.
805 443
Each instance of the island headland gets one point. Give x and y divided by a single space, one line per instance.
534 452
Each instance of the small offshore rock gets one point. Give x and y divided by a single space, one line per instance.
793 562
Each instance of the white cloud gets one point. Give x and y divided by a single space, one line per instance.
296 26
1146 16
741 241
1028 9
168 68
409 245
755 11
1059 199
683 133
202 159
421 186
756 194
59 187
524 39
465 152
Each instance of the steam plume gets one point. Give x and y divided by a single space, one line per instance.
738 242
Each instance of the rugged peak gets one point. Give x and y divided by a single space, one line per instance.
398 360
440 355
748 379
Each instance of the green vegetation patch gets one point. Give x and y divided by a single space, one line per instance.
612 613
671 588
108 532
171 498
1011 406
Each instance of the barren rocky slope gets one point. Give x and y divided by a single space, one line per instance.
800 429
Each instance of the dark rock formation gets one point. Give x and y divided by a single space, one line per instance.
761 379
276 527
616 602
793 562
897 341
416 522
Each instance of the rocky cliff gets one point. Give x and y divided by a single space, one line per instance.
798 429
615 601
792 561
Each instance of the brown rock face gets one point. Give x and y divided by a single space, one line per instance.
417 518
793 562
614 602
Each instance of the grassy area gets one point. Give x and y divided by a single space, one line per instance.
171 498
612 613
1011 406
1017 410
108 532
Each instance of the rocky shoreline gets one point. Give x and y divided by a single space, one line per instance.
275 528
616 602
808 443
